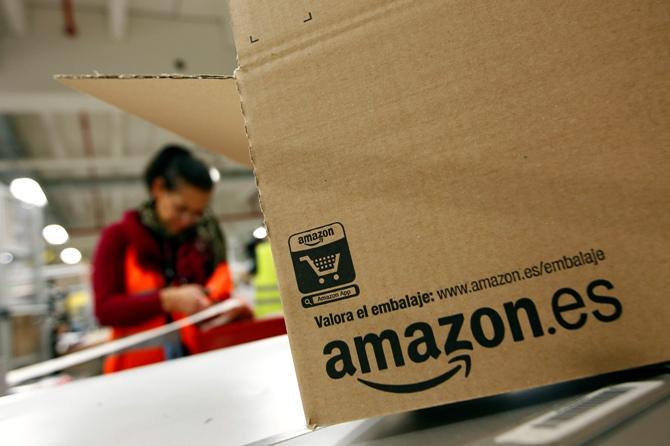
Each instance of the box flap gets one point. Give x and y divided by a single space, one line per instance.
203 109
439 180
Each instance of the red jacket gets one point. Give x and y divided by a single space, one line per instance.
130 267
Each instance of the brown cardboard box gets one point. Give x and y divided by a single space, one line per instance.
463 197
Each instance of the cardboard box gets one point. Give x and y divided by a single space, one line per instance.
463 197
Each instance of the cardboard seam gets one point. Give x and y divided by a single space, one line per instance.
332 31
252 155
142 76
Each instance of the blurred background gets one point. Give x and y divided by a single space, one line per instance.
70 164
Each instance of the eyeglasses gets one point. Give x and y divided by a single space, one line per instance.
182 211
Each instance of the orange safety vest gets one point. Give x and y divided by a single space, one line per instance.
140 280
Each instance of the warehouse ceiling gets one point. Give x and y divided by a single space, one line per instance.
88 156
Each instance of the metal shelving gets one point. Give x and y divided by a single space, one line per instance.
22 283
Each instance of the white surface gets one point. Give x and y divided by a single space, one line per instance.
226 397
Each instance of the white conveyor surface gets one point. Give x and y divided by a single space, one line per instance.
231 396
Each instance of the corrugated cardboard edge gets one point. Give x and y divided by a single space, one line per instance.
142 76
310 424
252 154
251 149
227 139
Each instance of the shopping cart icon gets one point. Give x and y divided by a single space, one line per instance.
324 266
321 259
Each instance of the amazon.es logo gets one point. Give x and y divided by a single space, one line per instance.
451 342
422 346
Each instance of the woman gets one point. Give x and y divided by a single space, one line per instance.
161 261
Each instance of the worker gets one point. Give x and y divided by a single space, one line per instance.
162 261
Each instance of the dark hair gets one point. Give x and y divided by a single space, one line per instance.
175 163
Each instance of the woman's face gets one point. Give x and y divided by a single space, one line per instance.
181 208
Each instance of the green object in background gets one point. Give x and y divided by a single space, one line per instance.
266 300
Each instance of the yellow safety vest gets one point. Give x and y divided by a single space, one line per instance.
267 300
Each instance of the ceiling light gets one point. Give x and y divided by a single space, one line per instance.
55 234
28 191
71 256
260 232
214 174
6 258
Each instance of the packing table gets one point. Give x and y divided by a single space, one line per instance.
230 396
248 394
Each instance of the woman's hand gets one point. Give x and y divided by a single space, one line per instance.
187 299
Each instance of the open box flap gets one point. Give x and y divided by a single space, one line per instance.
203 109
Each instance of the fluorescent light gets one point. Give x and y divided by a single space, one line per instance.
6 258
55 234
260 232
28 191
71 256
214 174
